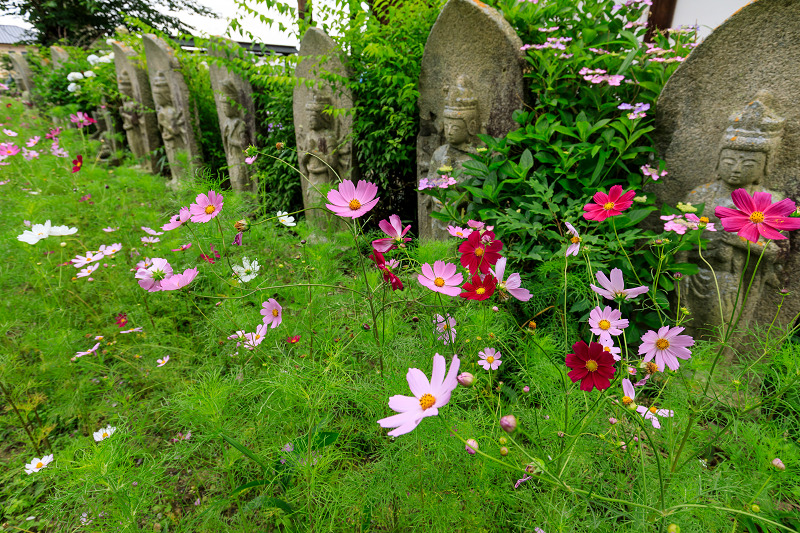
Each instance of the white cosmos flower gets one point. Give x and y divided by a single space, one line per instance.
247 271
37 464
284 219
60 231
42 231
104 433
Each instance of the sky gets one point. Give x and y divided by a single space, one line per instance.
226 9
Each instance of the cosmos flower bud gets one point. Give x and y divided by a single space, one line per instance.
503 451
526 389
466 379
279 145
472 446
777 463
755 508
63 244
508 423
612 420
673 528
503 440
495 308
242 225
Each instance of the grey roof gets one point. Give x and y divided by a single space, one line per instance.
13 34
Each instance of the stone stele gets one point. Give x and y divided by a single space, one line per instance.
470 82
138 110
173 110
22 74
728 118
324 143
237 115
58 56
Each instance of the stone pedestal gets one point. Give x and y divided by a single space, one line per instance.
173 110
237 115
58 56
138 110
470 82
22 74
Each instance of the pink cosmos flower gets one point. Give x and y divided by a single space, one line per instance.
512 284
32 141
206 206
446 328
666 345
133 330
441 278
150 240
459 232
428 396
143 264
757 216
608 205
183 247
82 260
615 351
351 200
479 226
394 229
53 133
10 133
8 149
212 255
254 339
607 322
240 336
177 220
615 287
575 241
490 359
110 229
695 222
29 155
89 351
151 231
648 414
250 160
150 278
162 362
179 281
273 313
88 271
111 249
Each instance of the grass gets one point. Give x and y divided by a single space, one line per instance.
284 437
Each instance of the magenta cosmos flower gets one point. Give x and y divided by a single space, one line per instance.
394 229
179 281
352 200
490 359
150 278
206 207
667 346
428 396
615 287
607 322
273 313
608 205
441 278
512 285
757 215
179 220
591 365
648 414
575 240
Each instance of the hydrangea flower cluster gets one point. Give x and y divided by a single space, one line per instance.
599 75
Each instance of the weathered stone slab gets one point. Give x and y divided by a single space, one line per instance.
22 74
324 143
138 109
237 116
470 82
728 118
173 110
58 56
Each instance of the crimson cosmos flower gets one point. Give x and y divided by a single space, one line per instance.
480 252
479 289
388 276
293 340
77 163
591 365
608 205
757 215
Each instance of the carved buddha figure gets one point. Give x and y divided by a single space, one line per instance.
234 134
171 121
460 128
745 157
320 154
131 118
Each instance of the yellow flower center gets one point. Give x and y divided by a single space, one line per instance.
427 401
662 344
439 282
105 434
704 220
444 326
756 217
258 337
651 368
490 359
480 290
210 209
39 464
627 400
460 234
604 324
479 252
653 410
607 349
591 365
274 312
355 205
575 239
608 206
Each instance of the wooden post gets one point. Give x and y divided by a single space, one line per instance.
660 18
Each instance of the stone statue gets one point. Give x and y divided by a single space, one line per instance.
131 115
171 120
234 128
460 128
745 158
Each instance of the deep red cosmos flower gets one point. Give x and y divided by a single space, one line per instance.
212 256
479 289
480 252
77 163
608 205
591 365
293 340
388 276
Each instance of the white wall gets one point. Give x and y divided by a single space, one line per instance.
707 13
